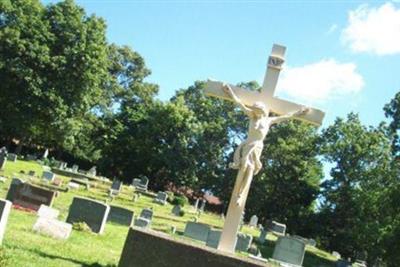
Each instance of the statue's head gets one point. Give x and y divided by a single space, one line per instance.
259 107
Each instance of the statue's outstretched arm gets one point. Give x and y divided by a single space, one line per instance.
302 111
228 90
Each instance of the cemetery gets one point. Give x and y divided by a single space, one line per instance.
49 236
199 133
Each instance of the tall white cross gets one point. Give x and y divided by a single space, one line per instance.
275 105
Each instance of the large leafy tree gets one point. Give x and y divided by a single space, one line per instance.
350 217
153 140
55 72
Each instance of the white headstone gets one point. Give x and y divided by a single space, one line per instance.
196 204
47 212
5 208
73 185
336 254
253 221
53 228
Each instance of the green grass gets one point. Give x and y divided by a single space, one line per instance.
23 247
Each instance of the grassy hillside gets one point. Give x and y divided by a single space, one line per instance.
23 247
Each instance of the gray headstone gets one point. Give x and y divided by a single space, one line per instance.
15 182
3 157
47 212
161 198
312 242
120 215
141 184
253 221
5 208
173 229
213 238
147 214
48 176
243 242
92 171
12 157
75 168
176 210
203 205
136 182
116 185
93 213
30 157
278 228
142 222
53 228
263 236
29 196
289 250
197 231
343 263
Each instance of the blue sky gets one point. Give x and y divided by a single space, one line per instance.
342 56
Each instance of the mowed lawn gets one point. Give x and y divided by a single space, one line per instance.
23 247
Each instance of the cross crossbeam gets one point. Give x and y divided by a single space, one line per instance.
266 95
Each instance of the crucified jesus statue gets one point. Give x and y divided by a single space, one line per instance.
247 154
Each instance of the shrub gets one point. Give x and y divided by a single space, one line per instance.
181 213
180 200
81 226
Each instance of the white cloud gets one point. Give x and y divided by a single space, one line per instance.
374 30
320 81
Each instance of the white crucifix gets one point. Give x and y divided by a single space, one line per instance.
257 105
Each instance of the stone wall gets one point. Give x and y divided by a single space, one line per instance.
154 249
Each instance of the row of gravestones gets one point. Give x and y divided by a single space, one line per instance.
287 250
32 197
203 232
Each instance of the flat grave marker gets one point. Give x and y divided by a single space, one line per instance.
53 228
